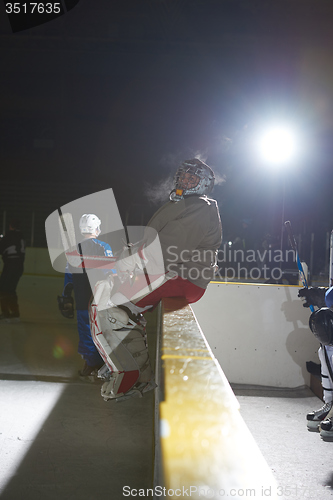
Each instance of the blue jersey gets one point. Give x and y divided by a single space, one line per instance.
93 246
329 297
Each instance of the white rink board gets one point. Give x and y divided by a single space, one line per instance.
258 333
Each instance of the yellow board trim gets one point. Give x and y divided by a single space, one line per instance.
172 356
204 441
183 349
251 284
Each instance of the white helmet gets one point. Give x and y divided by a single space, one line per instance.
203 185
90 224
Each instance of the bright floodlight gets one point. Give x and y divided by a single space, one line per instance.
278 145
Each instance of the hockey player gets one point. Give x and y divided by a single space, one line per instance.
90 228
321 325
190 233
12 249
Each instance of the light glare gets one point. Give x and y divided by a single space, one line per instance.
278 145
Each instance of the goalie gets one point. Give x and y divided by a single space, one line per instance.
321 325
189 233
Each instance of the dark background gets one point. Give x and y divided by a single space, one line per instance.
118 93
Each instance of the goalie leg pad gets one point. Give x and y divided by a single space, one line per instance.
123 350
326 382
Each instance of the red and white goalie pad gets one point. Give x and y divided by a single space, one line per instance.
121 343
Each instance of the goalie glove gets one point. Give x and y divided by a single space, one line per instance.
66 306
66 302
315 295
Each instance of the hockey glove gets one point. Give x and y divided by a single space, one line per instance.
315 295
66 306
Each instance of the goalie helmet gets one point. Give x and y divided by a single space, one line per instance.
90 224
321 325
192 177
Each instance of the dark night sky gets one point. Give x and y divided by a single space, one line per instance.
116 94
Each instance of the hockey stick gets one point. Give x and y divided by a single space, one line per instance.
142 260
299 264
67 231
